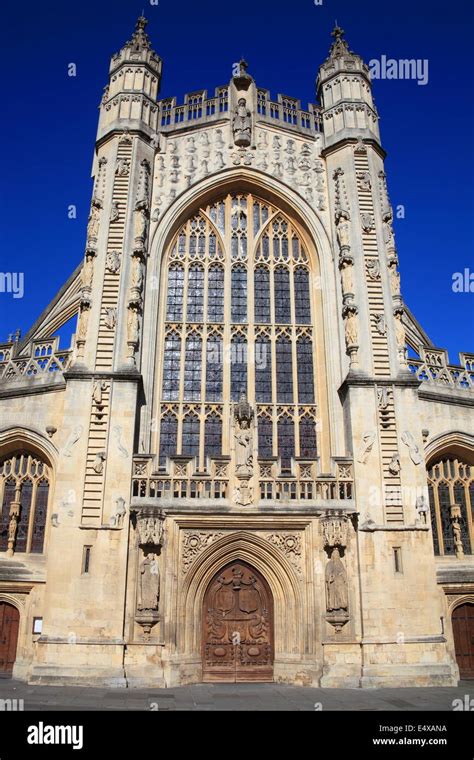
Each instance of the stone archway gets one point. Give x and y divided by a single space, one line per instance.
237 626
9 626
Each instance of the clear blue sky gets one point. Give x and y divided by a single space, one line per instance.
49 123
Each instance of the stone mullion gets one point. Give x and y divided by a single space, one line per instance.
32 514
227 331
294 366
273 340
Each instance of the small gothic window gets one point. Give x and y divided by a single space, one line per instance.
168 436
213 436
239 294
286 441
215 294
171 367
284 371
191 434
24 479
282 296
263 370
302 300
308 448
304 355
174 305
265 437
262 295
214 368
238 367
192 368
195 293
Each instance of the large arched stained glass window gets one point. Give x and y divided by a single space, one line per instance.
24 479
238 318
451 482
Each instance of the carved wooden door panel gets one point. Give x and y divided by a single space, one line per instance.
9 623
237 626
463 632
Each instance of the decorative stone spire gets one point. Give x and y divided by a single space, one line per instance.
339 47
140 39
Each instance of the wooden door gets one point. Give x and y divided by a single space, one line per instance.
9 623
237 626
463 631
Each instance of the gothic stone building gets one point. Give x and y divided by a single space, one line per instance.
252 464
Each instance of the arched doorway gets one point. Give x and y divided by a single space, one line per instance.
463 632
9 623
237 626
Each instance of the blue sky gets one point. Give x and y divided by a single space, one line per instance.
50 120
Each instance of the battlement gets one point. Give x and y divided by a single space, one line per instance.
199 108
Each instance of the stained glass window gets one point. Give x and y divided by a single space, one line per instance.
308 448
174 305
215 294
214 368
263 370
171 367
262 295
239 294
26 477
238 368
265 437
286 441
304 354
168 436
451 481
192 368
282 296
195 293
213 435
302 299
284 371
191 433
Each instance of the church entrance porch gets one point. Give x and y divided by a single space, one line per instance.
463 632
237 626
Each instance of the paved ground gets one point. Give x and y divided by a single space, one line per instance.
233 697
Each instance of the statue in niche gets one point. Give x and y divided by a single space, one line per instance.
83 323
380 324
149 584
242 124
132 325
243 437
364 180
123 167
351 329
400 330
336 583
99 387
93 223
388 235
112 262
140 223
137 273
88 271
382 397
110 317
346 268
343 229
394 279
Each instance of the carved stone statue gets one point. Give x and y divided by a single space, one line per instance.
88 271
140 225
149 584
98 465
368 440
394 466
99 387
112 262
242 124
394 279
413 448
373 268
93 224
137 273
343 230
83 323
114 212
110 317
132 325
346 269
380 324
388 235
351 328
336 583
243 414
400 330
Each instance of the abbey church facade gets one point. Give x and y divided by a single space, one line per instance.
252 464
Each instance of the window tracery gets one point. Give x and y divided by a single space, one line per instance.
25 479
451 481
